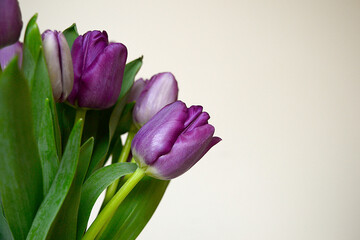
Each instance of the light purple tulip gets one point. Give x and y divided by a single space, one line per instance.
10 22
159 91
98 70
9 52
58 58
173 140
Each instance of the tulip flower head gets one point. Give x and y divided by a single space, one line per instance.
58 58
173 140
98 70
10 22
157 92
9 52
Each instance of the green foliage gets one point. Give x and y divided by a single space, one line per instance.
59 188
136 210
65 224
95 185
131 69
71 34
20 172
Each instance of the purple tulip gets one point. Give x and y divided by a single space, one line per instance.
173 140
9 52
10 22
58 58
98 69
159 91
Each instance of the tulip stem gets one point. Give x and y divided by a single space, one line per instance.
80 113
111 190
108 212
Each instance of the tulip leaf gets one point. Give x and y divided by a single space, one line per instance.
95 185
131 69
31 48
35 71
20 172
136 210
65 224
47 148
71 34
5 232
66 116
59 188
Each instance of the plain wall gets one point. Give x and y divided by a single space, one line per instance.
281 81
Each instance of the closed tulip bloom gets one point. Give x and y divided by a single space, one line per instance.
9 52
159 91
10 22
173 140
98 70
58 58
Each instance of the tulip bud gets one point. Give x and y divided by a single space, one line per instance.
9 52
10 22
58 58
159 91
98 69
172 141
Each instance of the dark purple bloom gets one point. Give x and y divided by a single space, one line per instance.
9 52
157 92
173 140
98 70
58 58
10 22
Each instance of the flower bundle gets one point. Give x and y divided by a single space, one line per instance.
65 101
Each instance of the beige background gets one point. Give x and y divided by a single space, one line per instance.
281 80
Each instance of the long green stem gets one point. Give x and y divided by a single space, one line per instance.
80 113
108 212
123 157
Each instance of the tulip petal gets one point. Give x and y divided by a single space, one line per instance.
67 77
94 44
136 90
187 150
9 52
157 137
101 81
52 56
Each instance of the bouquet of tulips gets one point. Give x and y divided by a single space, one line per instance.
65 101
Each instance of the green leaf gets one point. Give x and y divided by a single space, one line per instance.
131 69
136 210
31 48
65 224
71 34
95 185
47 148
20 172
5 232
59 188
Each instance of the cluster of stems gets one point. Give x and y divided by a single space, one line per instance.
113 197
